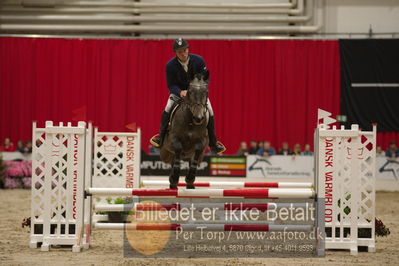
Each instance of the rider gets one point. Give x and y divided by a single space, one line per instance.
180 70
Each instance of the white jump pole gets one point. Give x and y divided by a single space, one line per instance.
232 184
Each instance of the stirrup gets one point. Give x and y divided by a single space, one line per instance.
153 141
221 145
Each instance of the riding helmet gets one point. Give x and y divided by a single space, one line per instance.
179 44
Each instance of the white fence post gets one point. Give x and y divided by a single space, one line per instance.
88 183
346 173
61 171
38 172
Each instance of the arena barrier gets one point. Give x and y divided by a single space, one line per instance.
117 166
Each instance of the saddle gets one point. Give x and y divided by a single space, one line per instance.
174 108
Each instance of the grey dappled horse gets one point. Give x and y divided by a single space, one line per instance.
188 134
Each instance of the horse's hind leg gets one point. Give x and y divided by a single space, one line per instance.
190 178
175 174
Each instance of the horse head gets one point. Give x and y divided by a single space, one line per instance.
197 96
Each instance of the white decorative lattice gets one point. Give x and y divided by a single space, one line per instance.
109 160
366 212
116 162
116 159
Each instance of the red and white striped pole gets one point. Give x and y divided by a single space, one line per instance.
198 206
204 227
271 193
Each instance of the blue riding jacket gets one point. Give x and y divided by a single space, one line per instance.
177 78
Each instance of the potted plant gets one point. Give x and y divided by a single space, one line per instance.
118 216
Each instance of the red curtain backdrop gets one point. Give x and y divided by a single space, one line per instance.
260 89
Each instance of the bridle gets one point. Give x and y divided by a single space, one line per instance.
193 104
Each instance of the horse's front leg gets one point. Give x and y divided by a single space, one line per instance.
175 174
190 178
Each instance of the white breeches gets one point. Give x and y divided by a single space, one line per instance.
172 98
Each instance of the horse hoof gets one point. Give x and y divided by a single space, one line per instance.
190 186
173 186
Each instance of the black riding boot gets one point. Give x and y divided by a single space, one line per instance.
157 141
213 143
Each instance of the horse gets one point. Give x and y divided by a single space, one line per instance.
187 136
